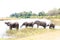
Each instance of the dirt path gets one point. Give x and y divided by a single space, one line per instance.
45 36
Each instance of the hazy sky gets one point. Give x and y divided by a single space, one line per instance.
8 7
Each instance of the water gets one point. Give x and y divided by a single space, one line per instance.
4 27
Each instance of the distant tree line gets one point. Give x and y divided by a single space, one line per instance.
27 14
54 12
24 14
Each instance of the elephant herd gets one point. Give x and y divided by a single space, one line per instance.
29 24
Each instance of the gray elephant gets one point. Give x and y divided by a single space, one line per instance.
27 24
12 25
40 23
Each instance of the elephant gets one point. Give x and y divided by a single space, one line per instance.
40 23
13 25
27 24
51 26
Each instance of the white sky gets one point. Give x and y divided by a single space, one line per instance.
8 7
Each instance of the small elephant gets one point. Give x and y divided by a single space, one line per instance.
51 26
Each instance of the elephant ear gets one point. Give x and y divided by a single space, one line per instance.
8 24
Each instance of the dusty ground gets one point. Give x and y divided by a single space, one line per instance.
45 36
49 35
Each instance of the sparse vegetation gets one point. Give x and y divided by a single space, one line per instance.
26 32
56 21
30 33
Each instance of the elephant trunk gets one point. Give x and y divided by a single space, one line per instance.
21 26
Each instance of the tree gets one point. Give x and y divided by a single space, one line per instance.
53 12
14 15
42 13
22 14
34 14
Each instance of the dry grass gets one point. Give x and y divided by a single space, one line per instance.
7 18
56 21
38 34
26 32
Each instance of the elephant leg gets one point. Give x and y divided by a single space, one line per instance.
44 27
26 26
10 28
37 26
32 26
49 27
53 27
17 27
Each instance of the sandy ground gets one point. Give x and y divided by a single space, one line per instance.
45 36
